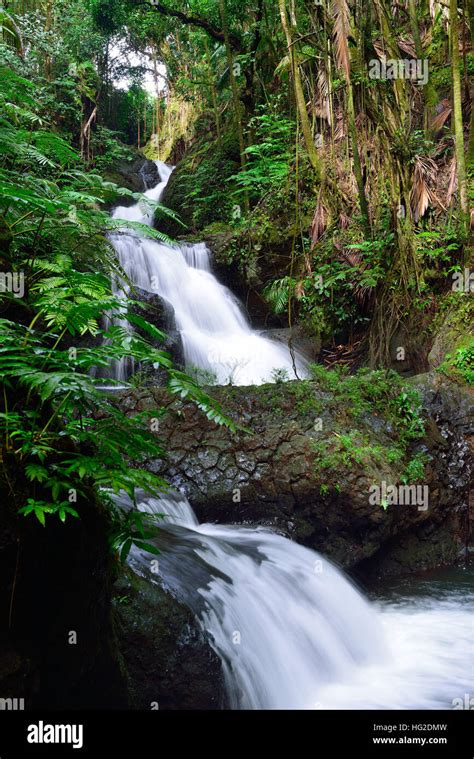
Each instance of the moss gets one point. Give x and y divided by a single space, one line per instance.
178 127
354 403
458 365
197 189
452 346
343 450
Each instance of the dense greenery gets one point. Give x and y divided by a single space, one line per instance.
63 440
354 397
351 196
343 197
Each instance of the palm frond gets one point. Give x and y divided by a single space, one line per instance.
341 34
422 193
443 112
319 223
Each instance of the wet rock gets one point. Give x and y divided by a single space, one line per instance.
159 313
169 661
137 175
297 338
270 474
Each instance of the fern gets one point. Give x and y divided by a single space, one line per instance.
278 293
60 434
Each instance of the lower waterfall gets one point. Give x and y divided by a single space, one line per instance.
293 632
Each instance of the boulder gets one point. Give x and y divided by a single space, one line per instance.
160 313
137 175
298 338
269 472
168 659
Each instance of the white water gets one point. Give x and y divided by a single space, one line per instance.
294 633
217 338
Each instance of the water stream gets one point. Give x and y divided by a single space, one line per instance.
216 335
293 632
291 629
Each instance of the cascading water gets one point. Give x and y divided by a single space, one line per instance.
290 628
294 633
216 336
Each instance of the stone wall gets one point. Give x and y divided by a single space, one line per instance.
268 474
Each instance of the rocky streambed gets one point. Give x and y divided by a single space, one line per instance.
269 472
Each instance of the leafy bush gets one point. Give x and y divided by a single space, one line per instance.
62 437
269 158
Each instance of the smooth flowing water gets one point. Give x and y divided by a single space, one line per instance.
217 338
293 632
291 629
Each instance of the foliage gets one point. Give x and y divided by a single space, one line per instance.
463 361
107 148
268 104
269 159
62 437
460 364
354 400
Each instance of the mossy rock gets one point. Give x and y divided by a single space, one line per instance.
169 661
196 188
452 335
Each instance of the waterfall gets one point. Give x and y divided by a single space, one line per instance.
293 632
216 336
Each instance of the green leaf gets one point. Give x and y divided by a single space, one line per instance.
147 547
125 550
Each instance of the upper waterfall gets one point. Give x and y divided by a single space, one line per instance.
217 338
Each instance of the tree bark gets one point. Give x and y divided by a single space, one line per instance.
457 107
235 92
470 146
299 94
429 92
212 88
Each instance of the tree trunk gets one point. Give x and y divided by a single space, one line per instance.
47 28
299 94
144 120
429 92
89 114
470 146
457 107
364 208
344 62
212 88
235 92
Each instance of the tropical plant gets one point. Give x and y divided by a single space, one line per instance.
62 437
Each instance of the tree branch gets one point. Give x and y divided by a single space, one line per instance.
213 31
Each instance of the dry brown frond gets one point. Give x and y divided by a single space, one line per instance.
407 45
355 260
443 112
344 220
299 290
319 223
321 105
422 192
341 33
453 177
